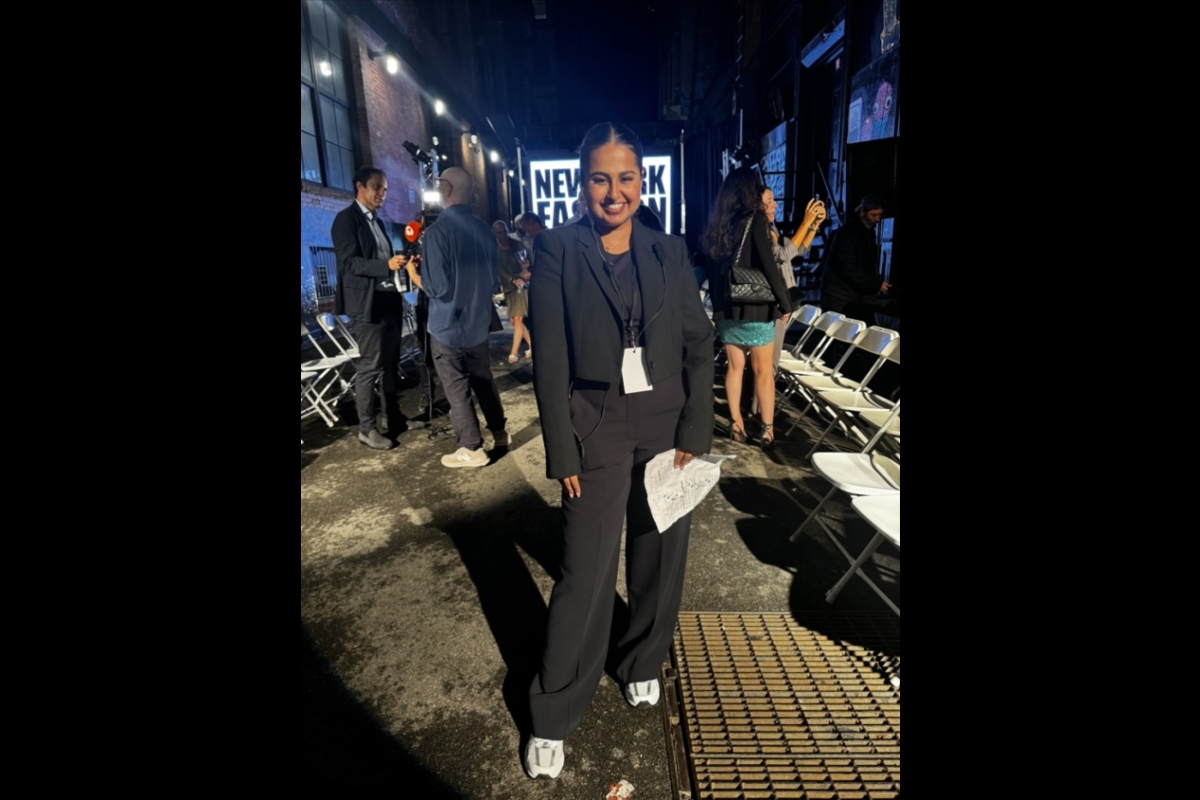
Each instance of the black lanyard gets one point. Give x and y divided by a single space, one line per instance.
631 328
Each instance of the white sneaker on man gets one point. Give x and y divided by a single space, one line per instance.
642 693
543 757
462 457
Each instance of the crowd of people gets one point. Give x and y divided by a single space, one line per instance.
624 373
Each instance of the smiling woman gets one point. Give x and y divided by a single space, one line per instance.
614 191
618 315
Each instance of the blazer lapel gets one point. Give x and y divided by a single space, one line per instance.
367 230
589 245
647 254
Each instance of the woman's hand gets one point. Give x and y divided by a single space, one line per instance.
571 484
814 213
682 458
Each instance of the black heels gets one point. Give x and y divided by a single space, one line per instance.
766 440
736 433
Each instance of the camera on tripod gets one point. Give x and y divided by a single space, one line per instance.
417 153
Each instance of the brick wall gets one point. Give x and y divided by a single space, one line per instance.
390 109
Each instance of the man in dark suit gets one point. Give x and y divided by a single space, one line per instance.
852 274
367 293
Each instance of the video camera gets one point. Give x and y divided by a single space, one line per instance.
417 153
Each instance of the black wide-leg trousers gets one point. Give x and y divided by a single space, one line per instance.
620 434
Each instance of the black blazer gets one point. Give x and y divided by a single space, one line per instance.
576 316
359 264
759 255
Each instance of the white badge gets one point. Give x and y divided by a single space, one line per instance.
633 371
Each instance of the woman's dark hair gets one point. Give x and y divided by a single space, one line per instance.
607 133
740 196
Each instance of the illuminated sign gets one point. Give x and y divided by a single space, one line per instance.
555 187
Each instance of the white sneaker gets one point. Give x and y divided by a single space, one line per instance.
502 439
462 457
642 693
543 757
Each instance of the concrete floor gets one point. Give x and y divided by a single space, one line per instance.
423 597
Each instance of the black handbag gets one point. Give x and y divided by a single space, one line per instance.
745 284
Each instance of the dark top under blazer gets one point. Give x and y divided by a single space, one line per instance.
359 264
758 254
581 335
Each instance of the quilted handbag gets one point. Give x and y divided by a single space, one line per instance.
746 284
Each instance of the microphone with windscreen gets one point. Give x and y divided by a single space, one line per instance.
412 238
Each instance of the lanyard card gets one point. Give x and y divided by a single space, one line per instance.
633 371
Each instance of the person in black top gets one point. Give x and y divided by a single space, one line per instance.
624 373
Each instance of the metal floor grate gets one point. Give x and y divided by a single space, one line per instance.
767 708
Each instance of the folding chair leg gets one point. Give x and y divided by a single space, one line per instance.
832 594
800 414
795 422
872 546
814 513
825 433
323 404
319 406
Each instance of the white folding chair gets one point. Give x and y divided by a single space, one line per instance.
882 512
329 369
842 406
843 329
803 316
879 342
311 401
334 327
870 422
858 473
798 358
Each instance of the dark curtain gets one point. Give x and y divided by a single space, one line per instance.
702 175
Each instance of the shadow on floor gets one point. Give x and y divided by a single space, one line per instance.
343 750
814 563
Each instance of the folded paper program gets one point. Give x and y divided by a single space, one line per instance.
672 492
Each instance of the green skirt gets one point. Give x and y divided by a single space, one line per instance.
745 333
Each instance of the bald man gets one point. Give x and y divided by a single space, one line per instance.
458 273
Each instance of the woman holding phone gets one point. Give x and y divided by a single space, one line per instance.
786 250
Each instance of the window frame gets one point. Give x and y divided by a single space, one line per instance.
327 107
